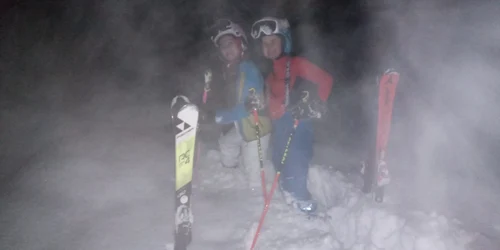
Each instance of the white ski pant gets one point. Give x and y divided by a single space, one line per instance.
237 152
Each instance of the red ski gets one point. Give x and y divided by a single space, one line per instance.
386 94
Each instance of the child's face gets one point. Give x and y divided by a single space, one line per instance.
230 48
271 46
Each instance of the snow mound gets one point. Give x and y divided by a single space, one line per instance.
354 222
357 222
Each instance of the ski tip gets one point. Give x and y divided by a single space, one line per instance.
175 100
379 194
189 107
389 71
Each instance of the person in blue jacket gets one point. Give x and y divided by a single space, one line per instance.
244 87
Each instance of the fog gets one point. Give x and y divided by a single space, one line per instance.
117 64
447 123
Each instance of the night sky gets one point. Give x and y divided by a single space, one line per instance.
334 20
162 42
165 42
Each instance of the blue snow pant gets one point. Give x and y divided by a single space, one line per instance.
294 172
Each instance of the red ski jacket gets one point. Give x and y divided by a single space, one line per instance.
299 68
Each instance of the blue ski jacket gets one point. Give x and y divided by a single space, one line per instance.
249 79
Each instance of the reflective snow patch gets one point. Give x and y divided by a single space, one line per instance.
357 222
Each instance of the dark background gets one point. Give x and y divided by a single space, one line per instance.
154 44
161 47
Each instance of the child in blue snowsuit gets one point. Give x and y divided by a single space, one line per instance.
245 85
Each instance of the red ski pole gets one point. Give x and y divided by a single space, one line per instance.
273 187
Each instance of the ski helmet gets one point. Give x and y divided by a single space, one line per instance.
274 26
227 27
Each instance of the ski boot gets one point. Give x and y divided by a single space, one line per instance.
308 206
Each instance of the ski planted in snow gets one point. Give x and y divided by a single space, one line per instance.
375 171
185 122
386 94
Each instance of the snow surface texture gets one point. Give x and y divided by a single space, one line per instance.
359 223
228 214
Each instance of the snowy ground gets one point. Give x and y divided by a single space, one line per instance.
103 180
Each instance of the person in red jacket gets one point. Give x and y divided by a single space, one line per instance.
294 88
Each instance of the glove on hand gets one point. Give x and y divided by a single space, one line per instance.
306 108
254 102
207 117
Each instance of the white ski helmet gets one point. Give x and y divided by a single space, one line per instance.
273 26
227 27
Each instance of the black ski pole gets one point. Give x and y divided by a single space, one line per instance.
261 160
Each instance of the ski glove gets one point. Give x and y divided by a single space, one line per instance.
307 108
218 119
254 102
300 111
207 117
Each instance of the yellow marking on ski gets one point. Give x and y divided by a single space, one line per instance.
184 154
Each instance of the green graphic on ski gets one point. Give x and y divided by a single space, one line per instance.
185 122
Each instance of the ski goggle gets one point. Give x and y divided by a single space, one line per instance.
266 26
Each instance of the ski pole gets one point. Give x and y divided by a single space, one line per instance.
261 161
206 89
273 187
